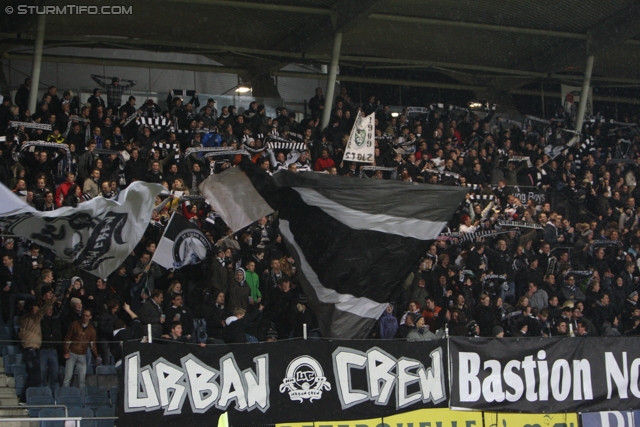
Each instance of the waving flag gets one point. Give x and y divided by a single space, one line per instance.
96 235
182 244
354 240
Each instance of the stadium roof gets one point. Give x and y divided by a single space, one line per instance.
497 46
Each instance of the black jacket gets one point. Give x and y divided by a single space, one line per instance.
51 332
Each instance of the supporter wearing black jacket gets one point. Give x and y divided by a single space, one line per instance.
135 168
236 330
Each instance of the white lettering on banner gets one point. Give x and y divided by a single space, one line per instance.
381 379
625 379
539 198
166 385
529 377
619 417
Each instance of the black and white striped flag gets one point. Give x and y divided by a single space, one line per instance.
354 241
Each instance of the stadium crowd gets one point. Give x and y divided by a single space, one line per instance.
545 244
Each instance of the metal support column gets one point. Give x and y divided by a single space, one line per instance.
584 93
36 64
331 84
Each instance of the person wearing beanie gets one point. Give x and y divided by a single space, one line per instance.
272 335
497 332
421 331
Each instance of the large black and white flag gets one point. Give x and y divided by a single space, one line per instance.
355 241
95 236
182 244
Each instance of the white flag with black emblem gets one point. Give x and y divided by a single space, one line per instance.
95 236
182 244
361 146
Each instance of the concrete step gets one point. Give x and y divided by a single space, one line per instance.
9 413
23 424
7 392
11 382
4 381
9 401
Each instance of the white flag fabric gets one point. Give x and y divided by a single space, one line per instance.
234 198
361 146
571 98
182 244
95 236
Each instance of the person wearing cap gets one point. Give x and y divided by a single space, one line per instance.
114 90
211 104
303 315
473 329
95 100
31 338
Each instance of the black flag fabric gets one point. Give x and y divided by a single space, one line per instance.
355 241
182 244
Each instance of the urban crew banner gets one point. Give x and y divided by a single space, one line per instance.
289 381
545 375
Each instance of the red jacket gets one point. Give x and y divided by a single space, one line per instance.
61 192
324 164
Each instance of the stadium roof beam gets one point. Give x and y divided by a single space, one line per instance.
125 63
476 26
314 76
485 27
315 32
280 56
396 82
261 6
608 33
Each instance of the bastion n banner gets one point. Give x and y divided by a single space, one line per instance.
542 375
292 381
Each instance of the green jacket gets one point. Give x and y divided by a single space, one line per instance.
253 281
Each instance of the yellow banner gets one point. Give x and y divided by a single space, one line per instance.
420 418
493 419
447 418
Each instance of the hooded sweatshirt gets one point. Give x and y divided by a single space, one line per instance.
238 293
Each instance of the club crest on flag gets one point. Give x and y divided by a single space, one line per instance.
190 247
305 380
361 132
181 244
